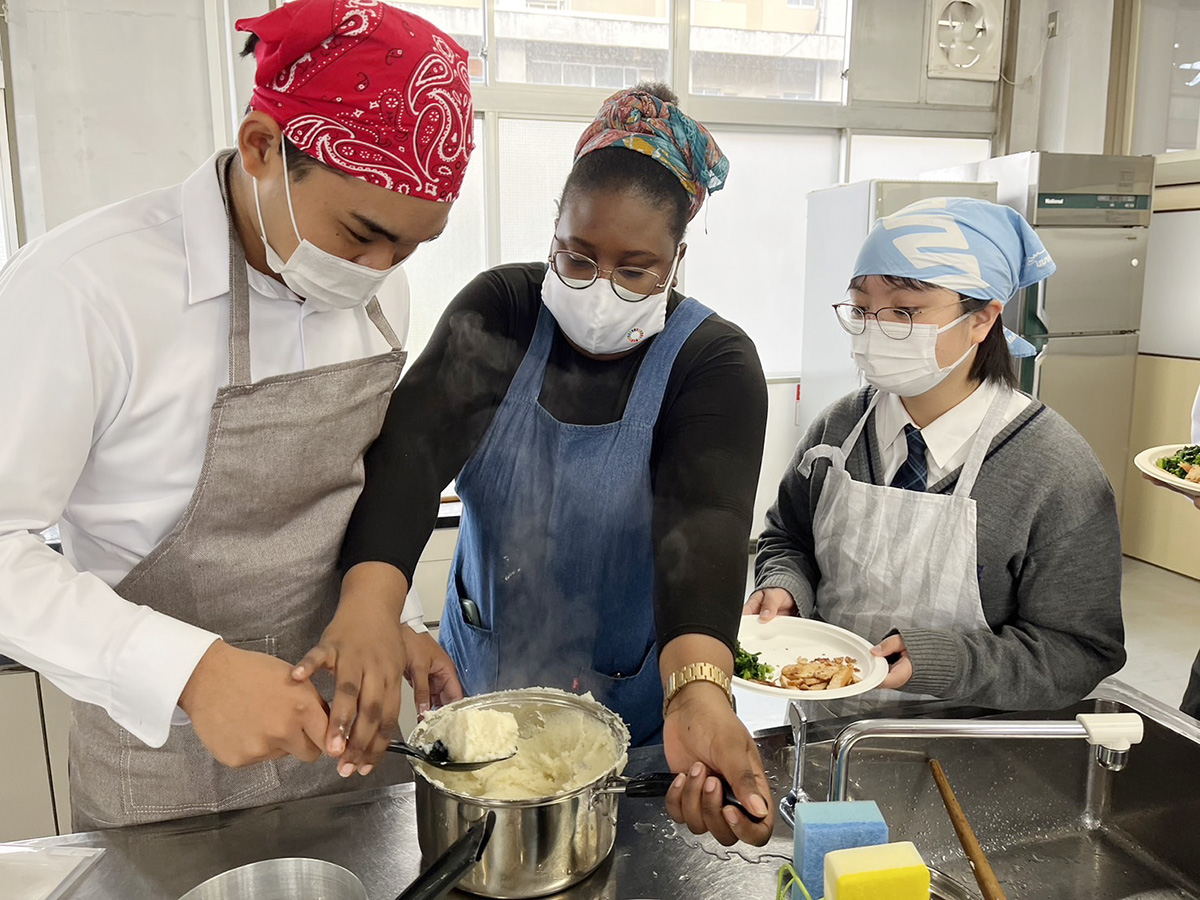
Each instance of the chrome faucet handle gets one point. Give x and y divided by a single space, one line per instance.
799 722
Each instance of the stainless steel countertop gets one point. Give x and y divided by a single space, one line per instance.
374 834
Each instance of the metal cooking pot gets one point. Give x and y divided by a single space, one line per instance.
282 879
539 846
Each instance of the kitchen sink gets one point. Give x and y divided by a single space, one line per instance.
1054 823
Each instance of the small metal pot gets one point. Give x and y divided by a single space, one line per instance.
282 879
539 846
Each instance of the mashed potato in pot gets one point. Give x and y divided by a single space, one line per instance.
559 749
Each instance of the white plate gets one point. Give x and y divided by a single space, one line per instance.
783 639
1147 460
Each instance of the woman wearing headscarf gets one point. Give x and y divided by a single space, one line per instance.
960 525
606 435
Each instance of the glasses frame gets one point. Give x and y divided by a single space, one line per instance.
659 287
875 315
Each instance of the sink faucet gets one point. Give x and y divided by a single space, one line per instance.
1111 734
787 803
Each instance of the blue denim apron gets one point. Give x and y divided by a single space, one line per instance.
555 546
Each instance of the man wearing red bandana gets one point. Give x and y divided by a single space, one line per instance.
201 370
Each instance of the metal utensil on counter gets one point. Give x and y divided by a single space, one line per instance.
282 879
450 868
439 757
966 836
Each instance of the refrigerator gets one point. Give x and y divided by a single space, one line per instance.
1093 214
838 221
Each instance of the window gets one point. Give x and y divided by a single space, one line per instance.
582 43
903 156
462 20
766 76
437 271
1167 108
767 49
754 275
535 157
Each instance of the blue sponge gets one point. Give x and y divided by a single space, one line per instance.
824 827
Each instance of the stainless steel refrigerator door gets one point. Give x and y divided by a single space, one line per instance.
1089 382
1097 287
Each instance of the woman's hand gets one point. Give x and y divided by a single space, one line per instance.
769 603
364 647
703 738
899 672
430 671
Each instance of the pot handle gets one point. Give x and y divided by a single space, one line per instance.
452 866
656 784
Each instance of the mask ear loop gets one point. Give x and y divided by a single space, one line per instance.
287 189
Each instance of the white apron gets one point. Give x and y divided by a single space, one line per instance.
892 559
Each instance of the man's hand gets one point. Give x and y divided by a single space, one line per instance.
703 738
769 603
431 671
901 671
364 648
246 708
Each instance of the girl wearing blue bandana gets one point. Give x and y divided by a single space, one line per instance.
960 525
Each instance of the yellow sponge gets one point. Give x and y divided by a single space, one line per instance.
882 872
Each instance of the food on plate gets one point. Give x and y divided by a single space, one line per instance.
1185 464
476 734
558 750
820 674
746 665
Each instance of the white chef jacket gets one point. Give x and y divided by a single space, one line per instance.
947 438
1196 420
113 343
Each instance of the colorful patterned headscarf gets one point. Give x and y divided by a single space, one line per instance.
640 121
368 89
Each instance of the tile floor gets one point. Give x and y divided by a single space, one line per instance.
1162 630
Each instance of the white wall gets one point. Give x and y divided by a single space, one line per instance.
119 94
1075 77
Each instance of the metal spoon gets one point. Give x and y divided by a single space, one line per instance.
439 757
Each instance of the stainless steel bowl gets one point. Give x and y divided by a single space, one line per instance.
282 879
539 846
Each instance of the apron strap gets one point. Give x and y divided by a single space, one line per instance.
650 385
837 455
528 380
992 424
239 290
375 314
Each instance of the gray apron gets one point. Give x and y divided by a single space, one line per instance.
253 559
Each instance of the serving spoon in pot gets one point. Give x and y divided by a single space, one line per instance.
439 757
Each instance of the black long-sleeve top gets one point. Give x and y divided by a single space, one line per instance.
705 455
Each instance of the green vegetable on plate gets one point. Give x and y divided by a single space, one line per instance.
746 665
1189 456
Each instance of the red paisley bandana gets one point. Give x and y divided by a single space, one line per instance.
368 89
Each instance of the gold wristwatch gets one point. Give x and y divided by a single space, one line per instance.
700 671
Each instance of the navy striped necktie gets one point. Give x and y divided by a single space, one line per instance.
912 474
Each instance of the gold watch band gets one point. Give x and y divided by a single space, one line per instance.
700 671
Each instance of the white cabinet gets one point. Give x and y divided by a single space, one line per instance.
26 805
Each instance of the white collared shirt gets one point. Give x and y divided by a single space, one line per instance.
947 438
113 344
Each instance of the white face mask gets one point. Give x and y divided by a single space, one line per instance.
315 274
908 367
600 322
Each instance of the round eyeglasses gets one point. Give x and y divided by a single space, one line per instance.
894 321
631 283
